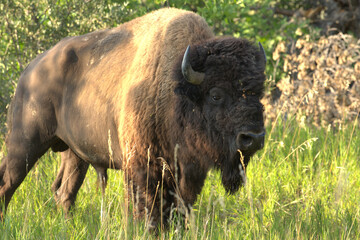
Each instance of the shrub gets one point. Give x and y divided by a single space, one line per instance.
323 81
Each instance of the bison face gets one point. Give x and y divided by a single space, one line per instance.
224 82
236 127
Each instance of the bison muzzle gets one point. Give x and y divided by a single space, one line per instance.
159 97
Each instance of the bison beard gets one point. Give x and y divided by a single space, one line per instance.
159 97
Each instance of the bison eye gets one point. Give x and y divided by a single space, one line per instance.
216 97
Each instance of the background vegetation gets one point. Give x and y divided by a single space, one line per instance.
304 184
30 27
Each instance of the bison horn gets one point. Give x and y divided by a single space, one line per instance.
262 51
188 72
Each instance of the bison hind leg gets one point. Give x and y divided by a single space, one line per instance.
24 146
2 171
69 179
13 170
31 133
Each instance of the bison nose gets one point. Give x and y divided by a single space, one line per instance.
248 141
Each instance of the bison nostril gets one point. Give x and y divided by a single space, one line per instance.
248 140
244 140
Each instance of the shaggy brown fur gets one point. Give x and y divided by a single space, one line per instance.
117 99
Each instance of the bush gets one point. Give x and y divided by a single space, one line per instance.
323 84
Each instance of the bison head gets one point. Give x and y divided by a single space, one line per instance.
223 81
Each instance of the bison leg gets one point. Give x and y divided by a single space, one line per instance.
21 157
2 171
151 191
31 134
69 180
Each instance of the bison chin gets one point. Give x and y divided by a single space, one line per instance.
233 172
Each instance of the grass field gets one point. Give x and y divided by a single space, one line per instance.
305 184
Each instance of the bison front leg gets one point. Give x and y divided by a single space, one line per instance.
191 180
69 180
152 194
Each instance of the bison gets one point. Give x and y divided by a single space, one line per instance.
159 97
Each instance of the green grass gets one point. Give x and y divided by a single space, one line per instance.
305 184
